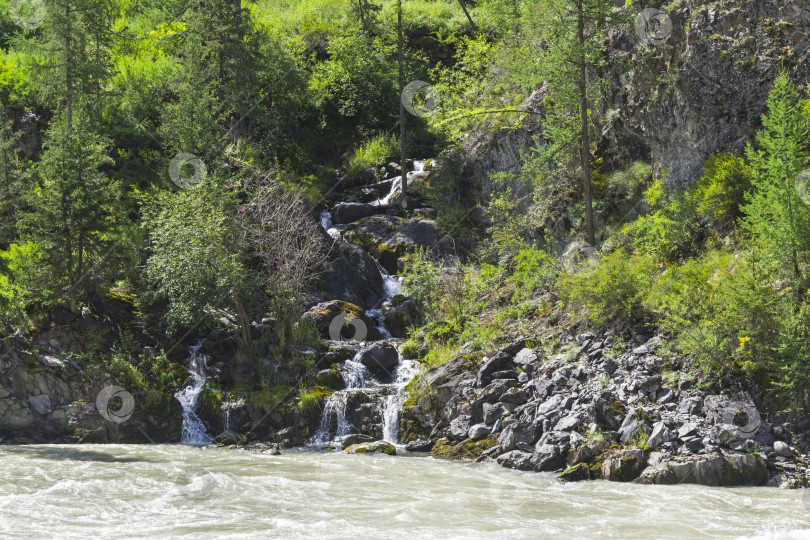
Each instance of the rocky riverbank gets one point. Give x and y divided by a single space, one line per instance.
603 409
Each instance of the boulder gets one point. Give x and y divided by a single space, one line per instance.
500 362
516 459
378 447
459 427
346 321
350 274
492 413
399 319
547 457
478 432
781 448
634 423
519 432
380 359
330 378
355 438
724 468
623 465
550 405
660 434
343 213
419 446
229 437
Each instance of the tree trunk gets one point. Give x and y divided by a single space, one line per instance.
68 79
583 105
238 128
403 168
467 13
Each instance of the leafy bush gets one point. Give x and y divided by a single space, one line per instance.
720 192
613 291
374 151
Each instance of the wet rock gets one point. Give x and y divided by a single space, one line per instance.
228 438
419 446
516 459
343 213
579 472
467 450
399 319
324 315
378 447
623 465
355 438
380 359
330 378
718 469
547 457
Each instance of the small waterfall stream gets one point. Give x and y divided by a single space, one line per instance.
194 431
387 397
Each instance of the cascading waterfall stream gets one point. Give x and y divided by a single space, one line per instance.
388 397
194 431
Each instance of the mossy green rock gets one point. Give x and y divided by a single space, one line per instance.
468 450
579 472
330 378
378 447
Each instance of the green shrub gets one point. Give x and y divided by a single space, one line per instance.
720 192
613 291
375 151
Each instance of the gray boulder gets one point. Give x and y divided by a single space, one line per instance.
525 432
380 359
478 432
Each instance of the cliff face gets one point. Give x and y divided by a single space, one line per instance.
673 105
704 90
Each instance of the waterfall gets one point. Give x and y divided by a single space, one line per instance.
227 406
335 406
193 429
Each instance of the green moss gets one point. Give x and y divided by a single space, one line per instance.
618 407
581 471
467 450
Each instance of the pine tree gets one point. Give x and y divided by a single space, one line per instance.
566 53
73 205
778 221
11 181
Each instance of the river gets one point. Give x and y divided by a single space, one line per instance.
160 491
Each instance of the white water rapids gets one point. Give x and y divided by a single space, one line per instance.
175 491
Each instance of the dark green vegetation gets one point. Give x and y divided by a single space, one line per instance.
272 97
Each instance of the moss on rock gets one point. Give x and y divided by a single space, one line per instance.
468 450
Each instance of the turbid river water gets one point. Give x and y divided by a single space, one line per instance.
127 491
